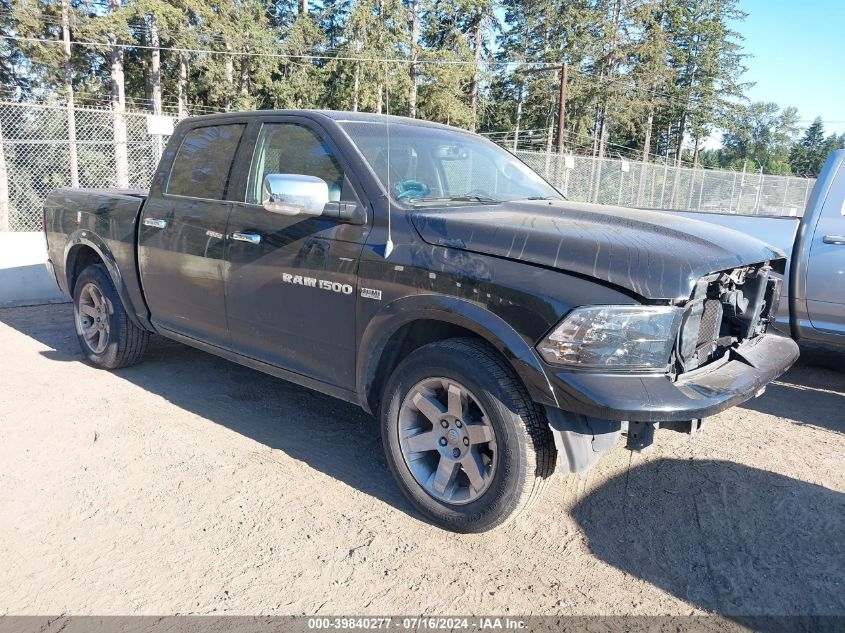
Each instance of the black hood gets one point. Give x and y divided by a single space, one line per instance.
655 255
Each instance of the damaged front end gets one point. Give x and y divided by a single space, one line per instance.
721 356
726 310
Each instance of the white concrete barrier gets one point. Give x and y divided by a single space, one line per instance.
24 279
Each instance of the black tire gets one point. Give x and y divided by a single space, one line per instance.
523 441
124 343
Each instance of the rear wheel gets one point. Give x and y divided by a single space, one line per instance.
464 441
108 338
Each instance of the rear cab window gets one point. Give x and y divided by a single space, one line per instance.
202 167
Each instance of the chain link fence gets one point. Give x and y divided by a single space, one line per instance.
36 150
663 186
35 156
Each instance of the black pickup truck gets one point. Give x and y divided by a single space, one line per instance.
424 273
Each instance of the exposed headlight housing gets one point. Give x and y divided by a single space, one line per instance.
624 337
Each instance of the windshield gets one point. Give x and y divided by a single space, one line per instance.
430 165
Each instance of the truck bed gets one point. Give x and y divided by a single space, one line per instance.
102 220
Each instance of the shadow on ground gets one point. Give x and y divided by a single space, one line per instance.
732 539
725 537
812 392
334 437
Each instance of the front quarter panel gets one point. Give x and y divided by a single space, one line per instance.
508 303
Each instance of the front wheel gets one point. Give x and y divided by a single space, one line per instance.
108 338
465 443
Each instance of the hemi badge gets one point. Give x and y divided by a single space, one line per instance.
214 234
370 293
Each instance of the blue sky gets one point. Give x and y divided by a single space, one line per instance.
798 56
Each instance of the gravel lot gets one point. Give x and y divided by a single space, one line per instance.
191 485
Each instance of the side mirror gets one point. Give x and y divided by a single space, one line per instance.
294 194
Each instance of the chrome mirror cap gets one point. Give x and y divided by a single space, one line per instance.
294 194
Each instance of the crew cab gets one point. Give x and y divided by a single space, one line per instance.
498 330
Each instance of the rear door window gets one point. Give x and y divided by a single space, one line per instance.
203 165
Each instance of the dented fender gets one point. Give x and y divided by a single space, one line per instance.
393 316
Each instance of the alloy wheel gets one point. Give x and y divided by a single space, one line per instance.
447 441
93 316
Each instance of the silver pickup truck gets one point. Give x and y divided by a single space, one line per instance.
812 304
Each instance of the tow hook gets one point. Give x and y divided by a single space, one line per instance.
641 434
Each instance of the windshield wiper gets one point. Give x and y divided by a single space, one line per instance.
466 198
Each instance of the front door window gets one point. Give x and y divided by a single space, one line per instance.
288 148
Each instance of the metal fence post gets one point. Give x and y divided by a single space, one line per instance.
5 224
653 170
733 190
121 148
157 148
567 168
621 181
759 190
691 187
785 190
701 191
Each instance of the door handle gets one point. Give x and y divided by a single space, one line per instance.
834 239
251 238
155 223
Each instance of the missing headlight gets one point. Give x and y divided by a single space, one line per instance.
726 309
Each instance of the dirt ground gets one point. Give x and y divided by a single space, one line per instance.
191 485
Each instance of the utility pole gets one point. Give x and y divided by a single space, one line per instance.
561 106
561 101
73 161
415 37
118 103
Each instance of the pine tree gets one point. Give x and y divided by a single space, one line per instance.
645 76
808 155
833 143
445 87
763 134
12 56
648 55
549 32
161 25
706 61
297 82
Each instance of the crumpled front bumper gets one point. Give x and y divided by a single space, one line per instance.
697 394
597 408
